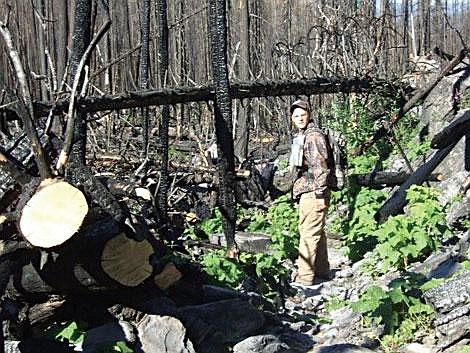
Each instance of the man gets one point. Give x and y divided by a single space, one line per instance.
310 158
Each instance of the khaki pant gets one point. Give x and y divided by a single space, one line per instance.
313 252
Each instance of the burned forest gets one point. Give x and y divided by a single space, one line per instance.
145 186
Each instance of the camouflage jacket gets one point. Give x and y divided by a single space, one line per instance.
315 172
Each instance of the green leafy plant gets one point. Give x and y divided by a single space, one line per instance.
222 270
335 303
391 306
360 237
266 270
407 238
465 349
71 332
114 347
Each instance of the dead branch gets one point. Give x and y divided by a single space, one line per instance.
28 115
453 132
64 154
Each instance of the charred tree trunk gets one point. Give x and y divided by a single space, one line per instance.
80 39
162 196
223 120
144 70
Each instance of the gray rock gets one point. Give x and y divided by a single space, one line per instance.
163 334
231 319
417 348
342 348
261 344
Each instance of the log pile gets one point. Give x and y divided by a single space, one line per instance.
451 302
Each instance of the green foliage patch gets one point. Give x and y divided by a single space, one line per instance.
395 304
266 270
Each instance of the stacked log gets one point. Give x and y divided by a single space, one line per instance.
451 302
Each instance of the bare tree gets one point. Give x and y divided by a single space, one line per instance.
223 121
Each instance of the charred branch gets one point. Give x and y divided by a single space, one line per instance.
394 205
379 179
453 132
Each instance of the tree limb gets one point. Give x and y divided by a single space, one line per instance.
28 116
64 154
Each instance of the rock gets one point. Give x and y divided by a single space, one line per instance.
36 345
452 187
249 242
231 319
261 344
163 334
341 348
417 348
109 333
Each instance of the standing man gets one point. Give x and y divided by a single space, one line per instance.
310 159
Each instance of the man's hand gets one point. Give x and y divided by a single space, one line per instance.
322 204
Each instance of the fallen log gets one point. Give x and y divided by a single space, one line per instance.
186 94
453 132
379 179
394 205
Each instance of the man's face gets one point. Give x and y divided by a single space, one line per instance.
300 118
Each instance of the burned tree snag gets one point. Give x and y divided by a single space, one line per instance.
223 119
144 70
163 61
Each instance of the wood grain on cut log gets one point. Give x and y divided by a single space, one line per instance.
126 260
53 214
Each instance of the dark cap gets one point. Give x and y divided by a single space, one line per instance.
299 104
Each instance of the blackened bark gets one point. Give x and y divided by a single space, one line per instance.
144 68
239 90
163 61
80 40
453 132
223 119
394 205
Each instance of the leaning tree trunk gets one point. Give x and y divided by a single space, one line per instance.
223 120
163 60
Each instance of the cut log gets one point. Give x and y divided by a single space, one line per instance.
126 260
54 214
388 178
